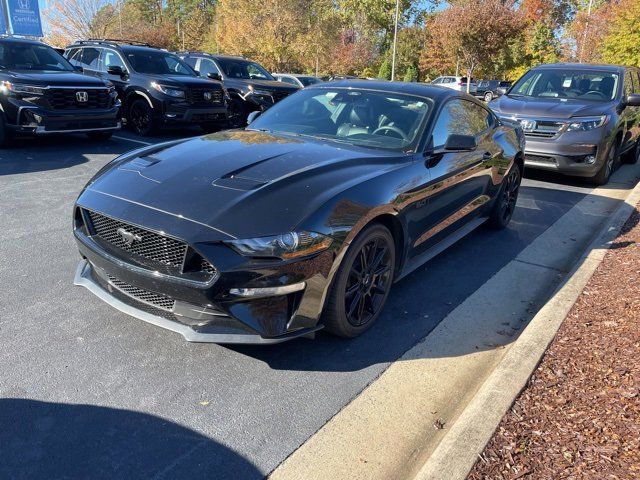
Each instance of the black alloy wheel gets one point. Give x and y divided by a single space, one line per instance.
507 199
362 283
141 117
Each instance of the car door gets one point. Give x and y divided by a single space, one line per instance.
460 181
630 115
111 58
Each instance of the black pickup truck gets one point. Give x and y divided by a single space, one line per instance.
41 93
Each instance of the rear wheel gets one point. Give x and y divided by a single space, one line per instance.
140 118
505 204
362 284
488 96
613 157
100 136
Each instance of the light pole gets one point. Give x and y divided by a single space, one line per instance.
395 41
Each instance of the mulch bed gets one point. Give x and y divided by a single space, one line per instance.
579 416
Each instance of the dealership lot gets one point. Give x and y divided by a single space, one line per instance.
72 363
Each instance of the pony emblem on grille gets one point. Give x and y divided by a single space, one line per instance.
127 237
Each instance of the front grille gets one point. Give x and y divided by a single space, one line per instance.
146 244
544 129
196 96
277 96
67 98
157 300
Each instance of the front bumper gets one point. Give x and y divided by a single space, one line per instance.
216 310
34 120
221 329
576 153
180 112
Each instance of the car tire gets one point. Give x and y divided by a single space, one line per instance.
634 155
140 118
505 202
608 167
100 136
488 96
362 283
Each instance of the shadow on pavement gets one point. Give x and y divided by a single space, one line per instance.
42 440
419 302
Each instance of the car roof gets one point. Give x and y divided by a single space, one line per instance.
10 39
410 88
294 75
581 66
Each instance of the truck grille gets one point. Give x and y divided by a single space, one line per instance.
544 129
67 98
196 96
155 299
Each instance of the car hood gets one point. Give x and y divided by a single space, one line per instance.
547 107
183 81
240 183
55 79
271 85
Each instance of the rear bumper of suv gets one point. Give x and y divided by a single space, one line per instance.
34 120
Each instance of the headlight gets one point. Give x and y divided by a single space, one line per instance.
8 87
582 124
172 92
285 246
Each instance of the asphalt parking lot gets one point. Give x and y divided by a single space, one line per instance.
89 392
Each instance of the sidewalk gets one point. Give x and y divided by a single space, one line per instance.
579 416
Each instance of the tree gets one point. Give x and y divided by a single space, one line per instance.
69 20
475 44
411 75
622 44
385 70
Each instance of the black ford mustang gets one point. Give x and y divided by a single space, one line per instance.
301 221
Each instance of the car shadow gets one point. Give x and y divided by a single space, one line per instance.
44 440
419 302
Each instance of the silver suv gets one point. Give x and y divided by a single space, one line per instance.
456 83
577 119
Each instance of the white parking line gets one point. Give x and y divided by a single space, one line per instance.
131 140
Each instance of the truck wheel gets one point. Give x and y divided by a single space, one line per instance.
140 118
488 97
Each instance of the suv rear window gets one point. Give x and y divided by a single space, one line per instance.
581 84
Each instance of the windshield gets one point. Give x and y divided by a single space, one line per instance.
153 62
354 116
306 81
567 84
28 56
238 68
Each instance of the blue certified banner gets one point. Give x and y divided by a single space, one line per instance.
24 17
3 22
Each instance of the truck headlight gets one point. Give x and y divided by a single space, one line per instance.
9 87
583 124
286 246
172 92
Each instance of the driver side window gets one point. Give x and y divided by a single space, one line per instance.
460 117
207 67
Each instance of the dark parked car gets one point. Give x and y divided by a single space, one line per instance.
42 94
578 119
300 221
156 87
249 85
490 89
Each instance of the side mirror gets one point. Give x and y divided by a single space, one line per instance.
214 76
460 143
116 70
252 116
632 100
78 68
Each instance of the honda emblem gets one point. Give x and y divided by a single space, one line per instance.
82 97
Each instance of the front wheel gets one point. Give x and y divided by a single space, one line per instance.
505 204
362 284
488 96
602 177
140 118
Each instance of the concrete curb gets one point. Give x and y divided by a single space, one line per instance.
464 442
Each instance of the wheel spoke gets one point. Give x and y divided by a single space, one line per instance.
378 259
353 305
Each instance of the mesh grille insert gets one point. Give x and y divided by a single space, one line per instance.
155 299
138 241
